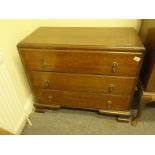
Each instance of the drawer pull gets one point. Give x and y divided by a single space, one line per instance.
114 67
46 83
50 99
110 88
42 63
109 104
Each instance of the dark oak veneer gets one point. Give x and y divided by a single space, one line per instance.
82 99
91 68
93 62
82 82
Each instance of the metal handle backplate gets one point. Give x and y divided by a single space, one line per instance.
109 104
114 67
42 63
110 88
46 83
50 99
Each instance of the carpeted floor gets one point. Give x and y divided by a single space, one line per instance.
85 122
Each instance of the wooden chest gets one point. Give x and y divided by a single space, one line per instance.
91 68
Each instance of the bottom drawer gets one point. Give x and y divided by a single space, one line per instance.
82 100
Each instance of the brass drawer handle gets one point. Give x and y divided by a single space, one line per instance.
50 99
46 83
42 63
114 67
109 104
110 88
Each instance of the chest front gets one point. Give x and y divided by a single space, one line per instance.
90 68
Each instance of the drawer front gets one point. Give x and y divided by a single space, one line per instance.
81 82
93 62
82 100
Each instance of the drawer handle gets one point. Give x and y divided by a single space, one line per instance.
109 104
50 99
42 63
114 67
46 83
110 88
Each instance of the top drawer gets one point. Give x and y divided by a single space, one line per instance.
78 61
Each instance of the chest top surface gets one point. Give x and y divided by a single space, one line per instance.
83 37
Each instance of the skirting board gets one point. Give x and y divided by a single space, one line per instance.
28 108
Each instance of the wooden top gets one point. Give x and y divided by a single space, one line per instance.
83 37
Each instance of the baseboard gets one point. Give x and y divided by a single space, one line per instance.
28 108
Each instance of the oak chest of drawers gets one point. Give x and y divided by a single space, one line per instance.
90 68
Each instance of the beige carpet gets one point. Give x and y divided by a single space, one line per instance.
85 122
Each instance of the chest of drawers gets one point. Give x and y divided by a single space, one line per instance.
90 68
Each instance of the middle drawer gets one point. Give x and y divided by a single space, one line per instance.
82 82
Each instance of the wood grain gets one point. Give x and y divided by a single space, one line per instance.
82 99
73 61
81 82
74 67
84 37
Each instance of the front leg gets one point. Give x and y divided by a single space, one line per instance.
125 119
143 101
